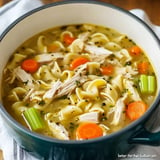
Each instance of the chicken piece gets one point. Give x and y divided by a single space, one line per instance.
51 92
60 89
98 54
76 46
117 82
97 50
58 130
133 93
119 111
91 117
24 76
69 85
84 36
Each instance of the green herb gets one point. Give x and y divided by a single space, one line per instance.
42 102
33 81
42 113
78 84
72 126
64 97
87 73
109 79
39 82
27 104
124 91
135 86
103 118
98 72
26 82
128 63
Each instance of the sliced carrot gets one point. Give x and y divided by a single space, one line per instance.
68 39
30 65
143 67
88 131
52 48
107 70
135 51
136 109
77 62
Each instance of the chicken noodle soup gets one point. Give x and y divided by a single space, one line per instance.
78 82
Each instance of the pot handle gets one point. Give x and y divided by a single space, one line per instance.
146 138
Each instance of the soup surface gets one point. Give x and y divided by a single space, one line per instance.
78 82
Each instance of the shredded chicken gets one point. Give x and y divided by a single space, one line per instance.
76 46
58 130
97 50
84 36
133 93
60 89
98 54
68 86
24 76
51 92
91 117
119 111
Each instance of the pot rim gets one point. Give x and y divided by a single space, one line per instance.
75 142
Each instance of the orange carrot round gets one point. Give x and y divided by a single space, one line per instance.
30 65
136 109
77 62
68 39
135 51
88 130
107 70
143 67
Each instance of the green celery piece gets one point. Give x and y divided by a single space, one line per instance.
151 84
143 83
33 119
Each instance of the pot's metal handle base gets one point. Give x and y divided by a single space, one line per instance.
146 138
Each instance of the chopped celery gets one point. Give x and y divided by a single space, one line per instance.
33 119
143 83
151 84
147 84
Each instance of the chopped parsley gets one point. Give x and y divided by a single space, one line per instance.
78 84
42 102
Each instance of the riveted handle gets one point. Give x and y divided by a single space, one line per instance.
146 138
